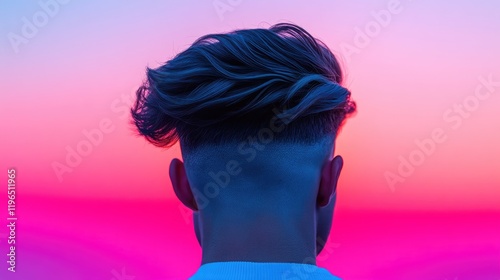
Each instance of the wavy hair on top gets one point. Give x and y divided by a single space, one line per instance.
225 87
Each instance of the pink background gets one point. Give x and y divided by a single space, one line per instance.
113 214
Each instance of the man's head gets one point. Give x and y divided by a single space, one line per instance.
256 113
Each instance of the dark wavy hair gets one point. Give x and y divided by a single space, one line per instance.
225 87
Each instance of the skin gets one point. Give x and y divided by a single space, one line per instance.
277 208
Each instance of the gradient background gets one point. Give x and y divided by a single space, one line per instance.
114 216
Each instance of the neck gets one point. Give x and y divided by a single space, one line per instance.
267 211
260 235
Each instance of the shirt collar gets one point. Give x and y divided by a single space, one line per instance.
263 271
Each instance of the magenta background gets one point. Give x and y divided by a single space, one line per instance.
116 209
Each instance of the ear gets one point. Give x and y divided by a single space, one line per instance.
329 178
326 200
181 185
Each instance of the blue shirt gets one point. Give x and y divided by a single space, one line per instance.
261 271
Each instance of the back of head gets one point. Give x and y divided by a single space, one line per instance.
256 112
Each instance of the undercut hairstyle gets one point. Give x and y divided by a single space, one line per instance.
228 87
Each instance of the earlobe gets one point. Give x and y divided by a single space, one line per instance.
181 185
